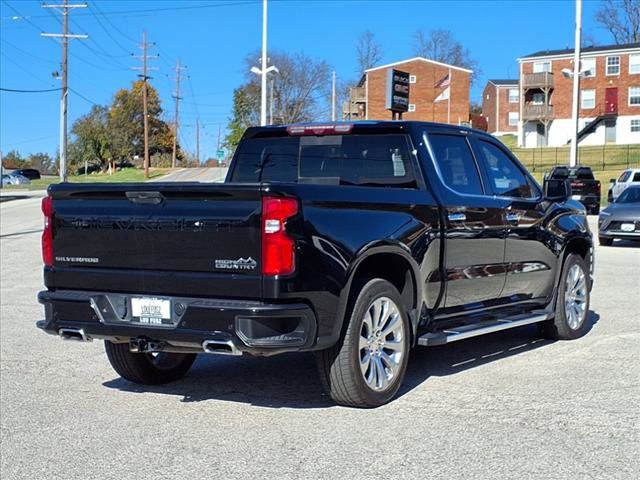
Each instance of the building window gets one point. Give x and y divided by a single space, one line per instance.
514 95
635 125
589 67
537 99
634 64
412 107
587 99
513 118
613 65
539 67
634 96
412 79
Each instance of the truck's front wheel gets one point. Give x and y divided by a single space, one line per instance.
366 367
147 368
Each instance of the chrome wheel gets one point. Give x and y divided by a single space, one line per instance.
382 344
575 297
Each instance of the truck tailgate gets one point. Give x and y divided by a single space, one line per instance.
146 236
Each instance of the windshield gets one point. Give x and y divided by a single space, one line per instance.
630 195
365 160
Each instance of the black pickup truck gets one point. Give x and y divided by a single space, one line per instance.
584 187
354 241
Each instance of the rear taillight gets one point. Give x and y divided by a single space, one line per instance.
278 248
47 233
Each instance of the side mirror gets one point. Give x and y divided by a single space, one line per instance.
556 189
612 180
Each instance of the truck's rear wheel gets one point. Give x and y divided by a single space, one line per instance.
572 302
366 367
147 368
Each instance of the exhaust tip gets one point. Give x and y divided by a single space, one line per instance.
74 334
222 347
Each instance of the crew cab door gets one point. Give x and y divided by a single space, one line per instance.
474 227
529 262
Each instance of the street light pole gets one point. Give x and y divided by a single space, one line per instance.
263 92
573 154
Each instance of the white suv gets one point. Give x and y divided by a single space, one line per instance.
629 177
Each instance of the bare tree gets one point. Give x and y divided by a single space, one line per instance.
300 88
440 45
368 51
622 19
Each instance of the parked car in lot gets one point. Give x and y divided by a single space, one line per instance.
14 179
621 219
584 187
627 178
30 173
354 241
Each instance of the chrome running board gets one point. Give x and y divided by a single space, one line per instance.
467 331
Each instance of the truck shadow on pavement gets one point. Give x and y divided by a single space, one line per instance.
291 380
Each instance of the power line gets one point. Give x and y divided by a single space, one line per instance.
15 90
144 12
82 96
93 7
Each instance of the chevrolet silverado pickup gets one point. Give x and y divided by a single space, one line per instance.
355 241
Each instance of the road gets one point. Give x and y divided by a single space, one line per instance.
207 175
505 406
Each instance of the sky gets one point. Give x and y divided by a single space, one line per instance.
213 38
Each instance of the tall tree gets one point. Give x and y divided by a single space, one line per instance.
13 160
368 51
440 45
92 140
621 18
126 126
244 114
43 162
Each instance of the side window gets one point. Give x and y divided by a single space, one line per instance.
636 177
456 163
505 177
625 175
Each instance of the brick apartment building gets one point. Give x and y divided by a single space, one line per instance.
428 81
501 106
609 109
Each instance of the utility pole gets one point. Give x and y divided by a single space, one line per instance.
65 36
198 140
177 98
145 94
263 71
573 152
333 97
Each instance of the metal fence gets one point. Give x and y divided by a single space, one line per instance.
602 157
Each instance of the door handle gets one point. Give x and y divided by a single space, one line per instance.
457 217
513 217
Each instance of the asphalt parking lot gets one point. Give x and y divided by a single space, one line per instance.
510 405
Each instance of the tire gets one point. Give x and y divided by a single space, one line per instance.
344 371
145 368
572 302
606 242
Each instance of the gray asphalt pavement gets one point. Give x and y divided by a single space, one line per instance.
505 406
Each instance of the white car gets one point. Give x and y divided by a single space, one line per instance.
14 179
630 176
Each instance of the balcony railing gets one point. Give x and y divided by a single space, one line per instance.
537 112
357 94
538 80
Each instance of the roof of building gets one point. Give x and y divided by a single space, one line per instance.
499 83
422 59
595 49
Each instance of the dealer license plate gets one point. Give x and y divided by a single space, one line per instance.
151 311
627 227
